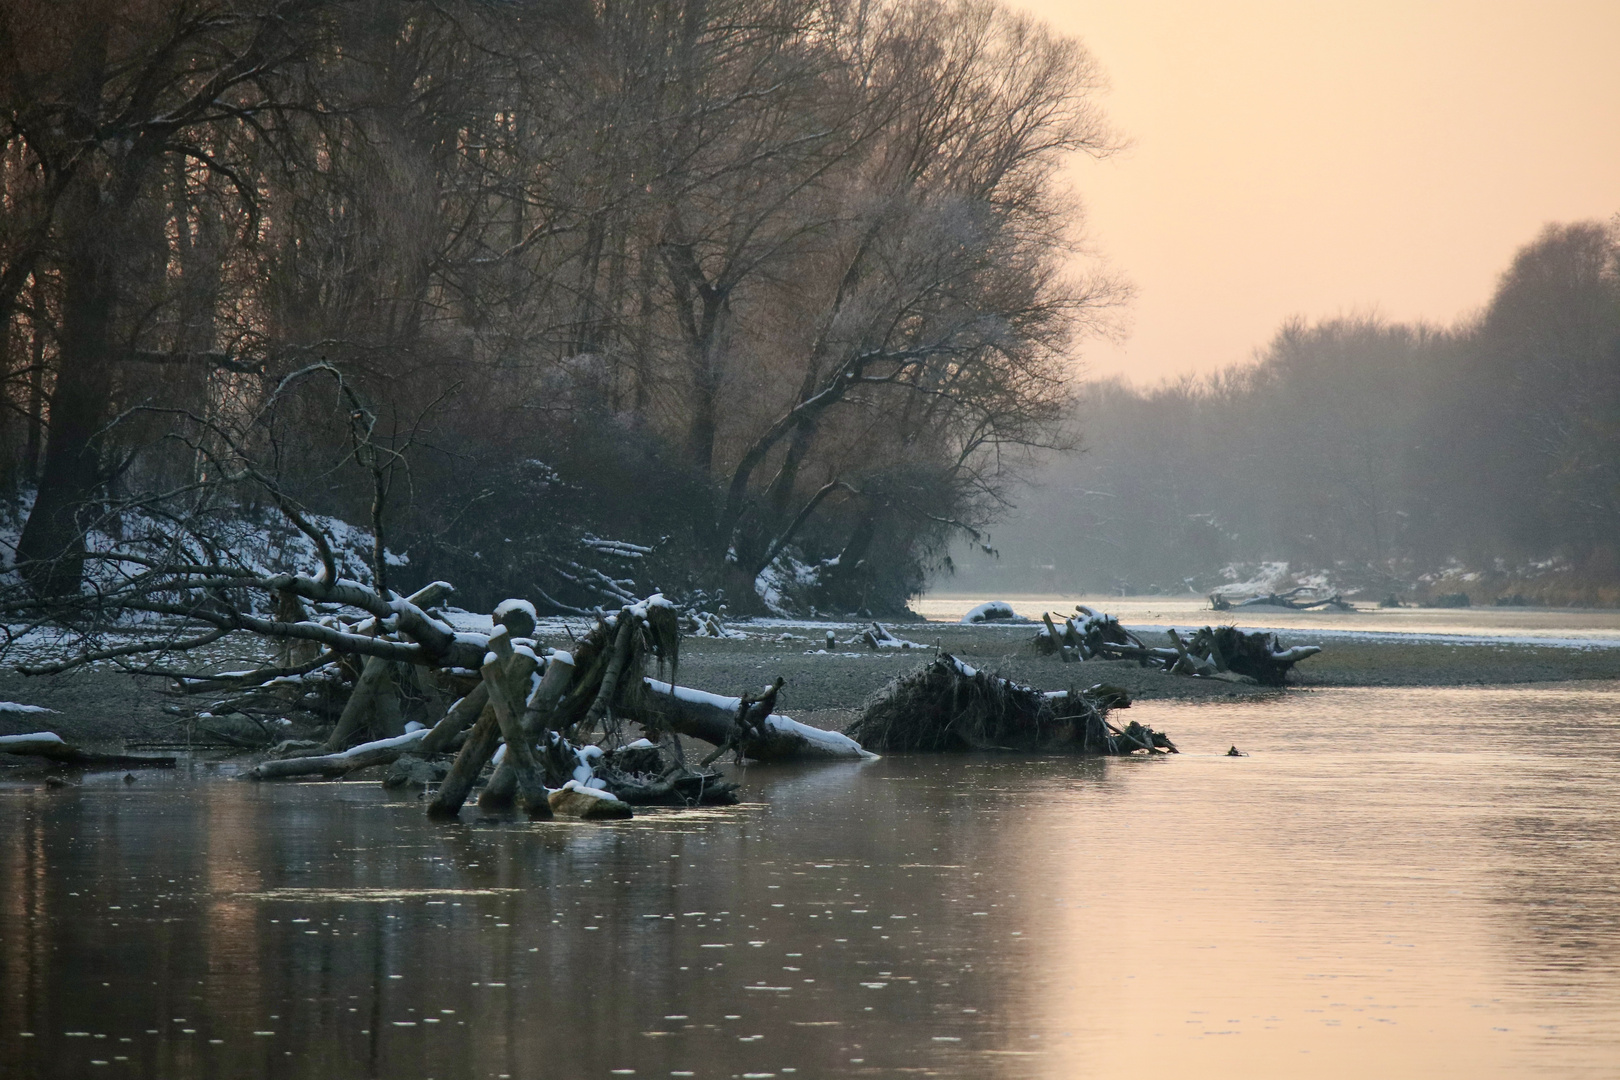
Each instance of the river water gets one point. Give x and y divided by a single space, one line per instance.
1394 883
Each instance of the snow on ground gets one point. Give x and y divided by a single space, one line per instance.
1263 579
35 738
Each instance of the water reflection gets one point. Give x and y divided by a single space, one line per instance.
1396 882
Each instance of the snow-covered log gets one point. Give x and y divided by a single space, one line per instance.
379 752
877 636
48 744
992 611
713 717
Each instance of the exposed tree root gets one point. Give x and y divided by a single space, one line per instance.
951 706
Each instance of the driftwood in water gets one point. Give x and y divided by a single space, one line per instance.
769 737
951 706
566 734
512 677
507 669
700 788
379 752
49 745
502 788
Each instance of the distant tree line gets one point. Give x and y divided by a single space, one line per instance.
1377 451
511 279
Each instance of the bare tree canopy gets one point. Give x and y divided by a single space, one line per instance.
727 280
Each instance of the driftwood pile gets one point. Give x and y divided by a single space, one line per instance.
1211 651
1303 598
580 732
950 706
553 731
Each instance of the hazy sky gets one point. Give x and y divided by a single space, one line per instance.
1302 158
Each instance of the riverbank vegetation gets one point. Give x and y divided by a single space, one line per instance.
610 297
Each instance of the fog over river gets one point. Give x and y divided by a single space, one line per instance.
1396 882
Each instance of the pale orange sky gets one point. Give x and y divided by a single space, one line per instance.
1317 159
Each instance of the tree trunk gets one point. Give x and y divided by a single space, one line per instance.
36 394
51 550
480 744
537 719
713 718
381 752
47 744
511 669
375 680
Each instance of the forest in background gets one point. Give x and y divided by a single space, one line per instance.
1376 457
558 299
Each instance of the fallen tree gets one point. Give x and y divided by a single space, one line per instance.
379 752
524 721
51 746
1209 652
760 735
950 706
1303 598
541 723
150 581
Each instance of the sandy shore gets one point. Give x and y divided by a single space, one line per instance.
107 708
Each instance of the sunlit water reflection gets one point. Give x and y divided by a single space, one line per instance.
1395 883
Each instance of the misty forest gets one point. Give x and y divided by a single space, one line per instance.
1388 460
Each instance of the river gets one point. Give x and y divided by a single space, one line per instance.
1394 883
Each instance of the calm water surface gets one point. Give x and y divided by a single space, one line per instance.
1395 883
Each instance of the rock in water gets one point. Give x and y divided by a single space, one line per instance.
410 771
587 804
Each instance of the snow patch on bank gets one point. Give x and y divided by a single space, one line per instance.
33 739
